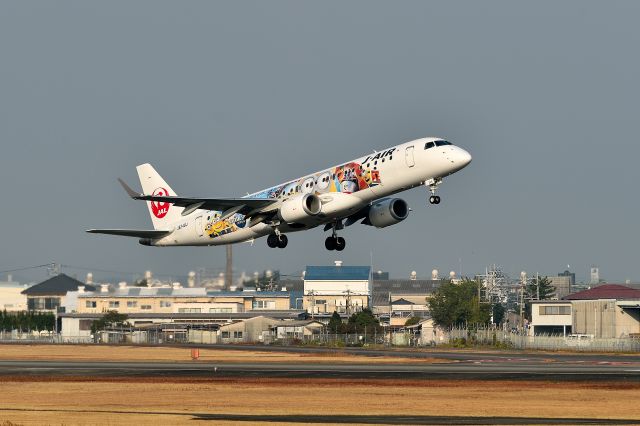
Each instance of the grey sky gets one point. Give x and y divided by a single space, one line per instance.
227 98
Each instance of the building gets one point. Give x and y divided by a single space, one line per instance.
51 294
297 329
11 297
562 284
605 311
344 289
176 299
402 298
551 318
77 326
252 330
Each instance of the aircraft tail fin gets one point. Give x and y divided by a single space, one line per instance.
162 214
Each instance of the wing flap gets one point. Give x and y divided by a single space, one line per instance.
138 233
245 205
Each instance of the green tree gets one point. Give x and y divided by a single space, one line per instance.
539 288
335 323
109 319
498 313
412 321
458 305
363 321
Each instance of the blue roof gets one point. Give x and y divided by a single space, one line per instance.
337 273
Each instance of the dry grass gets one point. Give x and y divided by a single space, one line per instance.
168 354
155 401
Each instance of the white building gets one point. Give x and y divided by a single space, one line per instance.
344 289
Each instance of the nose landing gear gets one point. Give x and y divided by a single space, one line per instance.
432 185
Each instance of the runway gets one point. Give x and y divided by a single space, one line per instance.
484 367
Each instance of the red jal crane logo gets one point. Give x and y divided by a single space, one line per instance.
160 209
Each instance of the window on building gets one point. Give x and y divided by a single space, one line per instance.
165 304
91 304
225 334
145 307
555 310
114 304
237 334
189 310
321 302
132 304
220 310
264 304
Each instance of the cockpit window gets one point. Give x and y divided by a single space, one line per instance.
429 145
441 143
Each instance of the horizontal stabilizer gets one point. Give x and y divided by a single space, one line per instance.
138 233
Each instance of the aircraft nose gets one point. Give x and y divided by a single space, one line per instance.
464 157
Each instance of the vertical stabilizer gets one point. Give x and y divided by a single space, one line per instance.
162 214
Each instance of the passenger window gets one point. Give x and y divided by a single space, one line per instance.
429 145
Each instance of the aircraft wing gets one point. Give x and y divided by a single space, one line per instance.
227 205
138 233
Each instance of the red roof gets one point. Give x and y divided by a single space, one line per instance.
605 291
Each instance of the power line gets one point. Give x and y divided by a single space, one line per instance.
26 268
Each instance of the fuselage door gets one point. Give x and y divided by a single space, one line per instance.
408 156
199 228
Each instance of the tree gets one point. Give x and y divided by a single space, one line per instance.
498 313
363 321
412 321
458 305
539 288
335 323
109 319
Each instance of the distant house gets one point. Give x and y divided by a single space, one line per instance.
50 294
402 298
297 329
251 330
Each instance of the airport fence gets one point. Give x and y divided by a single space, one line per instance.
515 340
459 337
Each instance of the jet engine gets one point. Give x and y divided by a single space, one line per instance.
388 212
298 208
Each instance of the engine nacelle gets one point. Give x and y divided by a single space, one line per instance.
388 212
299 208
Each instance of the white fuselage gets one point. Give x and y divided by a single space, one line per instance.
344 190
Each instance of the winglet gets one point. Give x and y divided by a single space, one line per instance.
133 194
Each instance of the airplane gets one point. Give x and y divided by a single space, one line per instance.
356 191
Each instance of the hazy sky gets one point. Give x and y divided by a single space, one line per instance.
228 98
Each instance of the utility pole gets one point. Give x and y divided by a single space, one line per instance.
228 275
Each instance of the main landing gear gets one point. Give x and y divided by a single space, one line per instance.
432 184
334 242
277 240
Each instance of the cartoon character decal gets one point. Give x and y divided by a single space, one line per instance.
348 178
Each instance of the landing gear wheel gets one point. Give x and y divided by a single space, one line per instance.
330 243
340 244
272 240
434 199
282 241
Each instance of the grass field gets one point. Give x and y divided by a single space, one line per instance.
174 400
